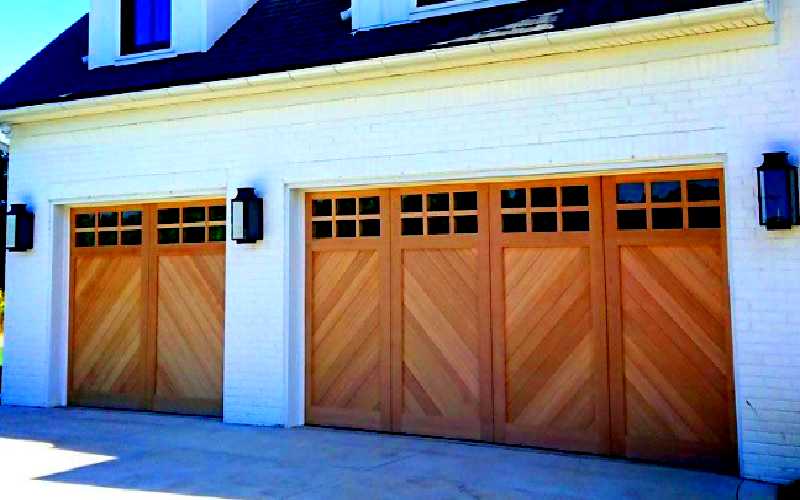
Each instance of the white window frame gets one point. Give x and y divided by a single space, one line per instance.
152 55
453 7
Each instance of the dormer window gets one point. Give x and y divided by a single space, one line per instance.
146 26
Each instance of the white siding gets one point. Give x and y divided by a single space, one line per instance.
594 111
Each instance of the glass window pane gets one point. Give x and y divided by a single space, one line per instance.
667 218
543 197
411 203
345 229
466 224
169 236
169 216
369 206
465 201
217 214
777 202
703 190
321 230
438 225
575 196
84 221
628 220
704 218
666 192
346 206
132 237
515 223
545 222
630 193
146 25
193 215
107 238
513 198
575 221
321 208
132 218
411 227
84 240
370 228
194 235
439 202
108 219
216 233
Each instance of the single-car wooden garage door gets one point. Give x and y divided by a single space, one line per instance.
586 314
148 307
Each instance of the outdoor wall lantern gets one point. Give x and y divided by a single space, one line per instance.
19 229
247 217
777 192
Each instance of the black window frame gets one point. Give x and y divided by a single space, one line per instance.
128 44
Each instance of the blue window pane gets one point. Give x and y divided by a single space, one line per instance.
146 25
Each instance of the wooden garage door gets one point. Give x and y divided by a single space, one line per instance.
548 307
188 267
586 314
147 307
109 279
441 359
347 310
670 347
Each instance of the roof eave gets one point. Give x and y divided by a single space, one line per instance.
752 13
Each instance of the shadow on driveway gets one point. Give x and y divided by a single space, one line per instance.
61 451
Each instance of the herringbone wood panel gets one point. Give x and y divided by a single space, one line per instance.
670 375
108 328
191 321
675 355
550 361
345 338
441 337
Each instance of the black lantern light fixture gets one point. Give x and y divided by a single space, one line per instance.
778 192
19 229
247 217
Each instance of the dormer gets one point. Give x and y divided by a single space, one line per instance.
371 14
130 31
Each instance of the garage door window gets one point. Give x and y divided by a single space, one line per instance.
346 217
107 228
191 225
668 204
439 214
547 209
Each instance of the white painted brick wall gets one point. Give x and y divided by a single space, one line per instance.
584 112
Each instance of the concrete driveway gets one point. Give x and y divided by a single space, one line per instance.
90 453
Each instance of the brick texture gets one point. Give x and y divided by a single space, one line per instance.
598 110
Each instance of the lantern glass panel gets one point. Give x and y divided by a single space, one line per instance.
776 209
237 218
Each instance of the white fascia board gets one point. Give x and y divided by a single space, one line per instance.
723 18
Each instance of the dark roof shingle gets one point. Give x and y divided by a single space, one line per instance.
280 35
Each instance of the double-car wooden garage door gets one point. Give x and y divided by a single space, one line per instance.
148 307
586 314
